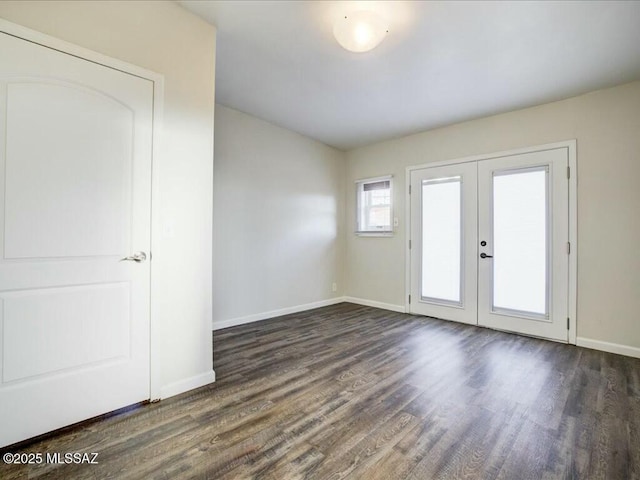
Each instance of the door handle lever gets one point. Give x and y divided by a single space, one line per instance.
136 257
484 255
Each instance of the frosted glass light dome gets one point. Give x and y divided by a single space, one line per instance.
360 31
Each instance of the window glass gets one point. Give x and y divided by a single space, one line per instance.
374 206
521 255
442 240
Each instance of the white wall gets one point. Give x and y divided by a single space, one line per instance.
606 125
165 38
278 212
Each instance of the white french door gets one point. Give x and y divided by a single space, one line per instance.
489 242
523 218
75 202
443 242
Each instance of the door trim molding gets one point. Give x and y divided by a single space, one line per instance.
157 79
571 146
573 241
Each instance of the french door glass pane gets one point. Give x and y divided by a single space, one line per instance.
441 240
520 241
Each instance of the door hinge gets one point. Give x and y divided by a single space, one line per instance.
567 323
409 189
568 248
568 173
409 299
409 244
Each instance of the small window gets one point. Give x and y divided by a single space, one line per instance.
373 203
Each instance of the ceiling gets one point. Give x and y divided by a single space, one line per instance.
441 63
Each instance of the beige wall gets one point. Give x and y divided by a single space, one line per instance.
278 211
606 125
165 38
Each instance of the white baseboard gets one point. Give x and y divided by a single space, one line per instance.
187 384
608 347
373 303
232 322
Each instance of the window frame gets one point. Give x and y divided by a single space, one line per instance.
359 189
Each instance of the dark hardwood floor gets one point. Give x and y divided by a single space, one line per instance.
356 392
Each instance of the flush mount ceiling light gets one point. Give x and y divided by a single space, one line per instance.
360 31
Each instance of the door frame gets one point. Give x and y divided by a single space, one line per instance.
157 79
571 146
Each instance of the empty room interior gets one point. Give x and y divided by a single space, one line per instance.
320 239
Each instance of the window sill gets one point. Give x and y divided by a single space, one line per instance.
374 234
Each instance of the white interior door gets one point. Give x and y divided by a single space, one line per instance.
523 206
443 242
489 243
75 162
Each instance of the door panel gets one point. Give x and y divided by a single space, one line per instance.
443 239
55 330
75 161
523 216
45 178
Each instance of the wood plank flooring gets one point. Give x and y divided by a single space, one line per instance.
356 392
